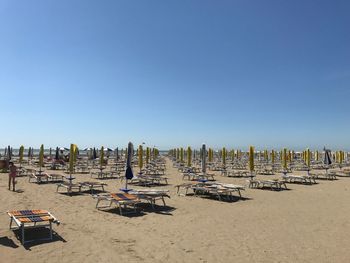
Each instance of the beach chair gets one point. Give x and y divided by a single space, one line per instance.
25 219
121 200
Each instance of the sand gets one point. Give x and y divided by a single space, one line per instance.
303 224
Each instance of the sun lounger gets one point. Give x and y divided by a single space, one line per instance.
38 177
70 187
216 189
327 175
122 200
151 195
55 177
25 219
147 180
305 179
235 173
340 173
93 185
273 184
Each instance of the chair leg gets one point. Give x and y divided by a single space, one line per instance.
22 226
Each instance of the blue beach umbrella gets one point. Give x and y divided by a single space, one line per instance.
129 173
204 157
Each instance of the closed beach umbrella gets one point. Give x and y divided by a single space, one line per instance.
182 155
117 153
327 158
251 159
203 156
128 172
21 152
266 156
210 156
140 157
57 154
9 155
94 154
308 158
148 155
71 161
232 154
284 159
223 156
189 156
102 156
41 157
50 153
272 156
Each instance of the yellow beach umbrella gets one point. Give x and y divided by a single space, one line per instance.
210 155
223 156
251 159
266 155
189 156
76 150
308 157
284 158
317 157
272 156
140 157
177 154
147 154
232 154
71 157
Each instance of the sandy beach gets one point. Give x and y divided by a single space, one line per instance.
307 223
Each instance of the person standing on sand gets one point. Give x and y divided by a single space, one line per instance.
12 175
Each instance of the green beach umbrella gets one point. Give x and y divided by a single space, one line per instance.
41 156
140 157
189 156
21 153
251 159
232 154
147 155
102 156
181 155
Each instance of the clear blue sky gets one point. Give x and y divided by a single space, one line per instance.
175 73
